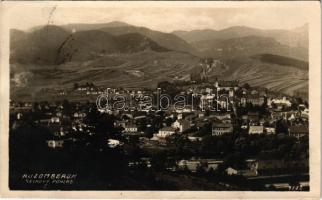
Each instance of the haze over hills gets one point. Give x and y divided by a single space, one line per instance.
87 27
297 37
244 41
119 54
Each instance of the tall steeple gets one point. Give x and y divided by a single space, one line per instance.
216 83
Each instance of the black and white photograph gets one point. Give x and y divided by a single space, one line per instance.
183 97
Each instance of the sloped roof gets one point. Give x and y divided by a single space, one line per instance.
222 125
168 128
299 129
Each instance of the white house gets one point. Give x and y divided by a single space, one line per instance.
279 101
165 132
221 128
270 130
181 124
194 138
231 171
55 120
79 114
191 165
113 143
305 113
131 128
256 130
55 143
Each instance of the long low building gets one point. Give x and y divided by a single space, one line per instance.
221 128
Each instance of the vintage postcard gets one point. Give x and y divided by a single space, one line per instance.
193 100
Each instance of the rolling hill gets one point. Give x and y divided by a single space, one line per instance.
282 60
37 47
278 76
89 45
16 36
247 46
140 69
54 45
166 40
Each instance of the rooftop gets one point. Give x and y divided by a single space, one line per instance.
168 128
222 125
299 129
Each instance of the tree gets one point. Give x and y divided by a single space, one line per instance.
240 144
205 130
236 161
158 160
169 121
281 127
179 145
306 104
200 170
246 86
67 108
76 86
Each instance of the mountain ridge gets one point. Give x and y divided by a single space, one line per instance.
123 55
62 46
248 46
292 37
170 41
166 40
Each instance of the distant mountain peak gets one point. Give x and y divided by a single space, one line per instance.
85 26
118 23
303 28
49 27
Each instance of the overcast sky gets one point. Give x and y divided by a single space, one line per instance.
179 16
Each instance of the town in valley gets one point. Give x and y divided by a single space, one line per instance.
118 106
257 140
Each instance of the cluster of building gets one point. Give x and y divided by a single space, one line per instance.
239 110
188 120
